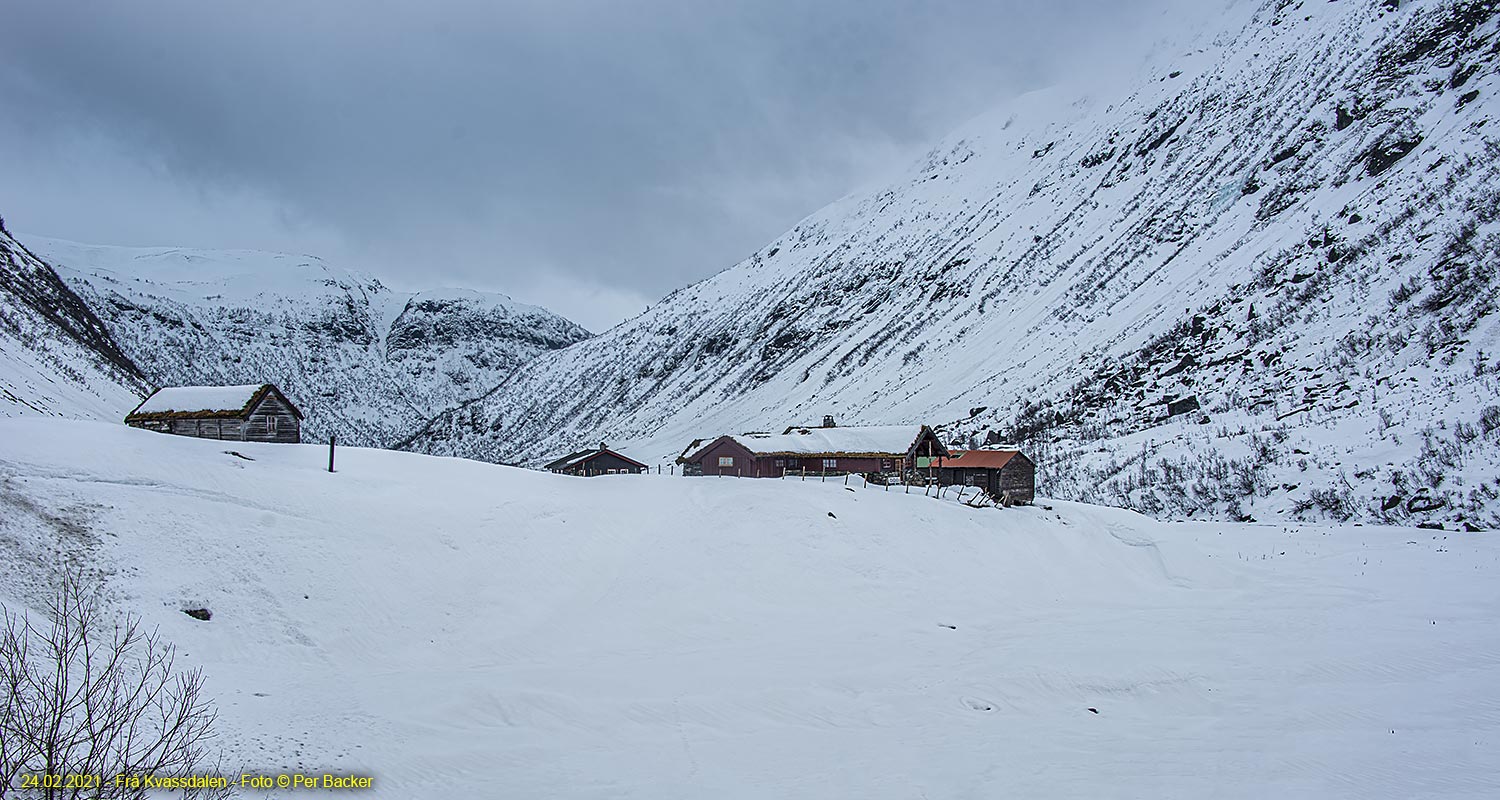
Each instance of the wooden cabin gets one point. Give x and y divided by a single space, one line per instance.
597 461
1008 476
256 412
886 449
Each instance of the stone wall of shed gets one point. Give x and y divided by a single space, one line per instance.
1018 480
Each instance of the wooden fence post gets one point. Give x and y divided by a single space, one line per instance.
331 440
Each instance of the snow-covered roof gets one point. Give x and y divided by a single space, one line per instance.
204 400
574 459
814 441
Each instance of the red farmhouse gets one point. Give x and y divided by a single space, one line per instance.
886 449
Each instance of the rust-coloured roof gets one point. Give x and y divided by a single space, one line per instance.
980 459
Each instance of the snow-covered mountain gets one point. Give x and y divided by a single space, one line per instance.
56 357
1260 280
362 361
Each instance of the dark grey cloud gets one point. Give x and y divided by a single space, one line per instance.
590 156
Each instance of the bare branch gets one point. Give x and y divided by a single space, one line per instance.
81 697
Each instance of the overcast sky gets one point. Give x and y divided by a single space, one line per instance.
584 155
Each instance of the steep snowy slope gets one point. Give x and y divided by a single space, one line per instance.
458 629
56 357
1282 239
361 360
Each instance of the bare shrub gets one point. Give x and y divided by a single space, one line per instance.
1489 420
90 698
1331 502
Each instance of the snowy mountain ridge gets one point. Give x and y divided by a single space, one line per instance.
56 357
362 361
1259 282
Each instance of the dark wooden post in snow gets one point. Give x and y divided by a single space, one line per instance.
331 440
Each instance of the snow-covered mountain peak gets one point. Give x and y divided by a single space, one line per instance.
192 271
362 360
56 357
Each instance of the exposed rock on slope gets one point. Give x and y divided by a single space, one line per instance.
56 357
1262 281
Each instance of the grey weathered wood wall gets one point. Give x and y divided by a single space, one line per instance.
258 427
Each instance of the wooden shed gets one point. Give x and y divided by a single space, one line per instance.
256 412
598 461
1007 475
884 449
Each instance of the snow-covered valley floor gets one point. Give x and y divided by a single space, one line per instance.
459 629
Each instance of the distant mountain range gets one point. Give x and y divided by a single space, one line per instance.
362 361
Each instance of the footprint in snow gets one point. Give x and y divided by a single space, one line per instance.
979 704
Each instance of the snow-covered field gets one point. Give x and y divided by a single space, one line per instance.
459 629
